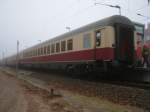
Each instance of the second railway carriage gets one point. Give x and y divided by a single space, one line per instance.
106 43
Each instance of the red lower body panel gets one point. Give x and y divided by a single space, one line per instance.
105 54
85 55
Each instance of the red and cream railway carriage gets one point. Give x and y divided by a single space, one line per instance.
102 44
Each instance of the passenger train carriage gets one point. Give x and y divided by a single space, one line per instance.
107 43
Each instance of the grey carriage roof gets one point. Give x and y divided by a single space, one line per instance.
109 21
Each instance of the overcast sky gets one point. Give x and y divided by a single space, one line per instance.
32 20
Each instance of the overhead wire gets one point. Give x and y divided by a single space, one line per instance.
132 12
141 7
81 11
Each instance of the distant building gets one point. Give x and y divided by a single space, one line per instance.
147 33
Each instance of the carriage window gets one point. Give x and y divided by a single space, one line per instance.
98 38
52 48
63 45
23 54
87 40
69 44
41 51
26 55
38 51
44 49
57 47
30 54
48 49
34 52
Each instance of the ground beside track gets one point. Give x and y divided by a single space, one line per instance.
31 98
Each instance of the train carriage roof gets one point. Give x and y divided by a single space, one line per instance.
109 21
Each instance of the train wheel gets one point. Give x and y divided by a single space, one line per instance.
69 69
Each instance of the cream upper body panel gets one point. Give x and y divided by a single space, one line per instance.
107 37
78 41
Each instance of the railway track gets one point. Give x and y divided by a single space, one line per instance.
122 92
140 85
117 80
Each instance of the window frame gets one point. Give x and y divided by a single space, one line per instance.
52 48
63 45
45 50
87 38
48 49
69 48
57 47
41 50
98 40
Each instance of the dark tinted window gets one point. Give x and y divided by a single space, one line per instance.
69 44
63 45
57 47
98 38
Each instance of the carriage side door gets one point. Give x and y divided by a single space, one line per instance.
98 42
125 44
